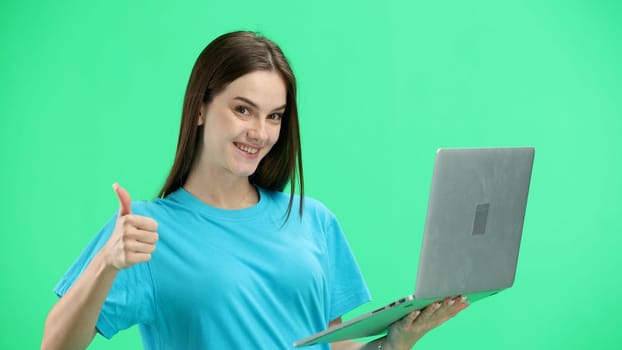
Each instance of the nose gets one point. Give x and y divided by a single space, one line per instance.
257 132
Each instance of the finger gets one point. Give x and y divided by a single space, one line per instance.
148 237
455 305
461 302
125 202
446 308
135 234
141 222
428 312
411 317
140 247
448 302
457 309
134 258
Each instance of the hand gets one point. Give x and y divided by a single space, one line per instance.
134 237
403 334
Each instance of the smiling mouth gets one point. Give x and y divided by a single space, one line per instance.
247 149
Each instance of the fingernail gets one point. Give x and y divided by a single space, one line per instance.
463 299
451 302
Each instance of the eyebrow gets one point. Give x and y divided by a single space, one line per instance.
254 105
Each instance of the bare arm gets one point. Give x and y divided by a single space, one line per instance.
404 333
71 322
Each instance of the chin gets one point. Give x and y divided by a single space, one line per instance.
248 168
245 172
243 168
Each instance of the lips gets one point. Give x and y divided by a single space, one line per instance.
246 148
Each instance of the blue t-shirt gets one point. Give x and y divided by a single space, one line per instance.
231 279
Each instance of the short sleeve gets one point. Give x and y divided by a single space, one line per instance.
347 286
130 300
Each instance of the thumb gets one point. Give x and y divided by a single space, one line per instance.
125 202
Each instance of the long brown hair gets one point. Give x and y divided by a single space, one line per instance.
225 59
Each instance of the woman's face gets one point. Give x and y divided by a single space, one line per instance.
241 124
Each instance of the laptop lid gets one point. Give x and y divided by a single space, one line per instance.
474 220
471 237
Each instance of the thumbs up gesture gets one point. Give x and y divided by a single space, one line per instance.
134 237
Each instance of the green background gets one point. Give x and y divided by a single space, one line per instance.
91 94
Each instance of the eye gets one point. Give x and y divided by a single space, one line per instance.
275 116
243 110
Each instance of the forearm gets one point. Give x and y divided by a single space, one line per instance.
71 322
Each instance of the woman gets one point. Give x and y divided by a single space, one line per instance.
234 266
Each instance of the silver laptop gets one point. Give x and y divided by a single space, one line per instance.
471 238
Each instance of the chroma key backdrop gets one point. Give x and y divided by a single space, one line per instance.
91 93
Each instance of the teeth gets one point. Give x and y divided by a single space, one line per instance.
247 149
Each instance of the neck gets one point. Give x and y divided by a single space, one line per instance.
225 192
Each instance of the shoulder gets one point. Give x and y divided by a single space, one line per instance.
144 207
312 208
283 198
157 208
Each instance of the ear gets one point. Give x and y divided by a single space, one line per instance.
202 112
